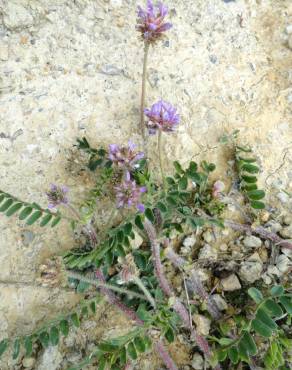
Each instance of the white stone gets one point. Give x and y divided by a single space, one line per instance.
286 232
252 242
197 362
28 362
273 270
287 252
189 241
16 15
208 236
137 242
220 302
203 324
283 263
250 271
230 283
283 197
50 359
289 29
208 253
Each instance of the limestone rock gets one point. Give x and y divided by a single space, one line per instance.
203 324
28 362
197 362
230 283
50 359
220 302
252 242
251 270
286 232
208 253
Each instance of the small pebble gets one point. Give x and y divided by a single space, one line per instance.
252 242
220 302
203 324
28 362
197 362
230 283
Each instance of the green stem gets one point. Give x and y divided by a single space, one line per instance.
140 284
160 159
99 284
143 95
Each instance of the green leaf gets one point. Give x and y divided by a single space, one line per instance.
128 228
170 181
148 343
64 327
25 213
183 183
255 294
34 217
233 355
44 339
28 346
249 187
6 205
54 336
171 201
149 214
221 355
242 351
256 194
249 168
93 307
16 349
82 287
56 221
261 328
138 222
169 335
273 307
120 251
131 350
277 290
13 209
193 167
139 344
287 304
161 206
107 347
225 341
257 205
178 167
143 314
249 343
249 179
45 220
266 319
3 346
101 363
123 356
75 320
120 236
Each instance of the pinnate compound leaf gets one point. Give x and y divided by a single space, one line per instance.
13 209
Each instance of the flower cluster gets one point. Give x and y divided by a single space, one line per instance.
57 195
125 156
161 116
151 21
128 194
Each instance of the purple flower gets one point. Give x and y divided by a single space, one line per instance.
128 194
125 156
151 21
162 116
57 195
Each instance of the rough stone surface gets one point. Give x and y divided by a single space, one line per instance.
197 362
230 283
252 242
72 68
202 324
50 359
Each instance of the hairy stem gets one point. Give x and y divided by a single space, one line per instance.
168 361
160 158
100 284
143 95
260 231
113 299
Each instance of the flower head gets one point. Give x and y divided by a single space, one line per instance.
57 195
218 187
125 156
162 116
128 194
151 21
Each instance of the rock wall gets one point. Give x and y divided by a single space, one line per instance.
72 69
